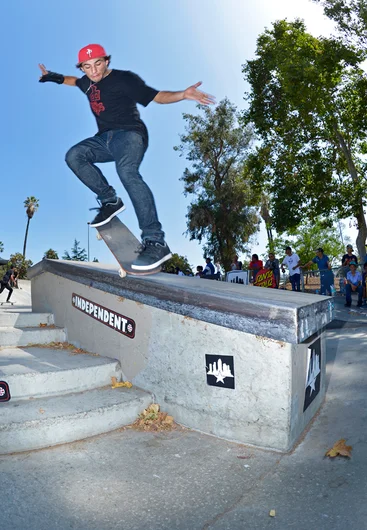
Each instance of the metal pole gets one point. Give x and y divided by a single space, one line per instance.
341 233
88 239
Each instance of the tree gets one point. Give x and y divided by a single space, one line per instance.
305 239
307 103
221 212
178 261
350 17
1 246
31 205
18 261
51 254
77 253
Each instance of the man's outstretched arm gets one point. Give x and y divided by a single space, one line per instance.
53 77
191 92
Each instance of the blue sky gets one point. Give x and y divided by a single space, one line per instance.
171 45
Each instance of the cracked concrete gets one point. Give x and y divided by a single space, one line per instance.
183 480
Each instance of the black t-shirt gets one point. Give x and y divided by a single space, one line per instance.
7 276
350 258
113 101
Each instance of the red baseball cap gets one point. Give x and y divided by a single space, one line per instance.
92 51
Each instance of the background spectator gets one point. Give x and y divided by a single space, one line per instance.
326 274
209 268
347 258
273 265
364 276
255 265
354 284
236 265
199 271
292 261
179 272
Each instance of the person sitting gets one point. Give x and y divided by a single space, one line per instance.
209 268
354 284
255 265
199 271
236 265
326 274
347 258
273 265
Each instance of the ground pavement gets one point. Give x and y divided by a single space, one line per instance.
182 479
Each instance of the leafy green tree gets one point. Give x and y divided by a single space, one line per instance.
307 103
51 254
77 253
306 238
350 17
178 261
221 212
31 205
21 264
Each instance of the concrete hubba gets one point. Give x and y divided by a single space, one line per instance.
243 363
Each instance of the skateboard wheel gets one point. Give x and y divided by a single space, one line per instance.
122 273
99 237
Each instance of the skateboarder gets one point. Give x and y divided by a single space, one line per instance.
122 138
8 277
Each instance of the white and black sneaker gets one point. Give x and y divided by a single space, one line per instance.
107 211
151 256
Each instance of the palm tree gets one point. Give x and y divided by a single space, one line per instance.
31 205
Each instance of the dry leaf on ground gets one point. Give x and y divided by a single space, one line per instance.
122 384
151 419
339 448
272 513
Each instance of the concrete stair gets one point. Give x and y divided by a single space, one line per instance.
21 329
57 395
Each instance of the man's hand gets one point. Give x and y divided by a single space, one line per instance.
43 69
194 94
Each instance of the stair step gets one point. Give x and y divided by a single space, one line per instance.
35 372
25 320
10 336
44 422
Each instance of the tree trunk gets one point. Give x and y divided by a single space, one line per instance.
359 214
25 237
362 233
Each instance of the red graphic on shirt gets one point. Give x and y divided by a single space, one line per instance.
94 98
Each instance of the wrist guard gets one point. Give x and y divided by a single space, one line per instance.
53 77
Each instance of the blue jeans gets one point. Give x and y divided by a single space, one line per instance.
126 149
348 294
296 282
326 281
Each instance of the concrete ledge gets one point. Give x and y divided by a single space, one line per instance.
51 421
275 314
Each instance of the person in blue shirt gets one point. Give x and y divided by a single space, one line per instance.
354 284
209 268
326 274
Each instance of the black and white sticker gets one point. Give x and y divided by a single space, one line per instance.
124 325
313 377
220 370
4 391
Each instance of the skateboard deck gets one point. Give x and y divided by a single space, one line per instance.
123 245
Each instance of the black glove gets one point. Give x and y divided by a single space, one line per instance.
53 77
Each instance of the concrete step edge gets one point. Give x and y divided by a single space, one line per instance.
46 422
56 383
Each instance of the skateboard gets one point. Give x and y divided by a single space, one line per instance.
11 303
123 245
